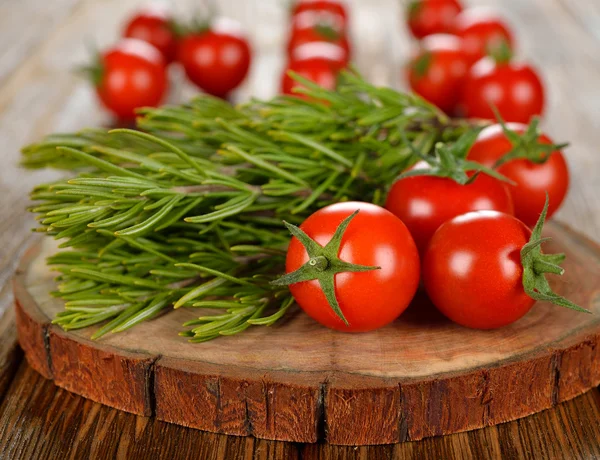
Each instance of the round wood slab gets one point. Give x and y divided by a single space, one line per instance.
297 381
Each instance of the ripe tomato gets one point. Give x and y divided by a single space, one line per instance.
129 76
437 73
472 269
427 17
153 25
482 33
330 6
318 34
424 203
515 90
216 60
318 70
336 56
533 180
368 299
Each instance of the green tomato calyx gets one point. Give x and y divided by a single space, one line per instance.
536 265
450 161
527 145
323 264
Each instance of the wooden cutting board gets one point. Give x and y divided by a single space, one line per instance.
297 381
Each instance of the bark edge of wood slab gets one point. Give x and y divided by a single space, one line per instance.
421 376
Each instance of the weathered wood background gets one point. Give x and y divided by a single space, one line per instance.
40 43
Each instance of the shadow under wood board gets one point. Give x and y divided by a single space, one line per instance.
421 376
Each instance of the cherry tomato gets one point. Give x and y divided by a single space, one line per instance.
424 203
336 56
317 70
532 180
318 34
216 60
472 269
427 17
515 90
438 71
482 33
129 76
374 237
310 18
153 25
330 6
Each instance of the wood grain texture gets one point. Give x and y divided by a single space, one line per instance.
41 421
419 377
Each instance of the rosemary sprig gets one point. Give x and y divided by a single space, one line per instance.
188 212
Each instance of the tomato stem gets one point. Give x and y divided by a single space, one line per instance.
323 265
450 161
536 265
527 145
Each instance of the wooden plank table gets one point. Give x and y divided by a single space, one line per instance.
41 41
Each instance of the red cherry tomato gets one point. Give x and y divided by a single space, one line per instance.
482 33
370 299
153 25
317 34
472 269
515 90
336 56
311 18
424 203
330 6
427 17
438 71
317 70
533 180
216 60
131 75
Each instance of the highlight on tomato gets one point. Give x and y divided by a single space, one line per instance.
154 24
216 57
318 34
336 56
130 75
332 7
515 89
531 160
438 70
428 17
485 269
438 189
352 266
482 32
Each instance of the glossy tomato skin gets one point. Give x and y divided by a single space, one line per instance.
472 270
428 17
331 6
152 25
133 75
515 89
336 56
318 70
438 71
375 237
532 180
482 32
216 60
424 203
301 37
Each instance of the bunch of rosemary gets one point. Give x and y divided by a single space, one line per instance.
188 211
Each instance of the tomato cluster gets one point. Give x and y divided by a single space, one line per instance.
464 64
451 221
215 56
318 45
